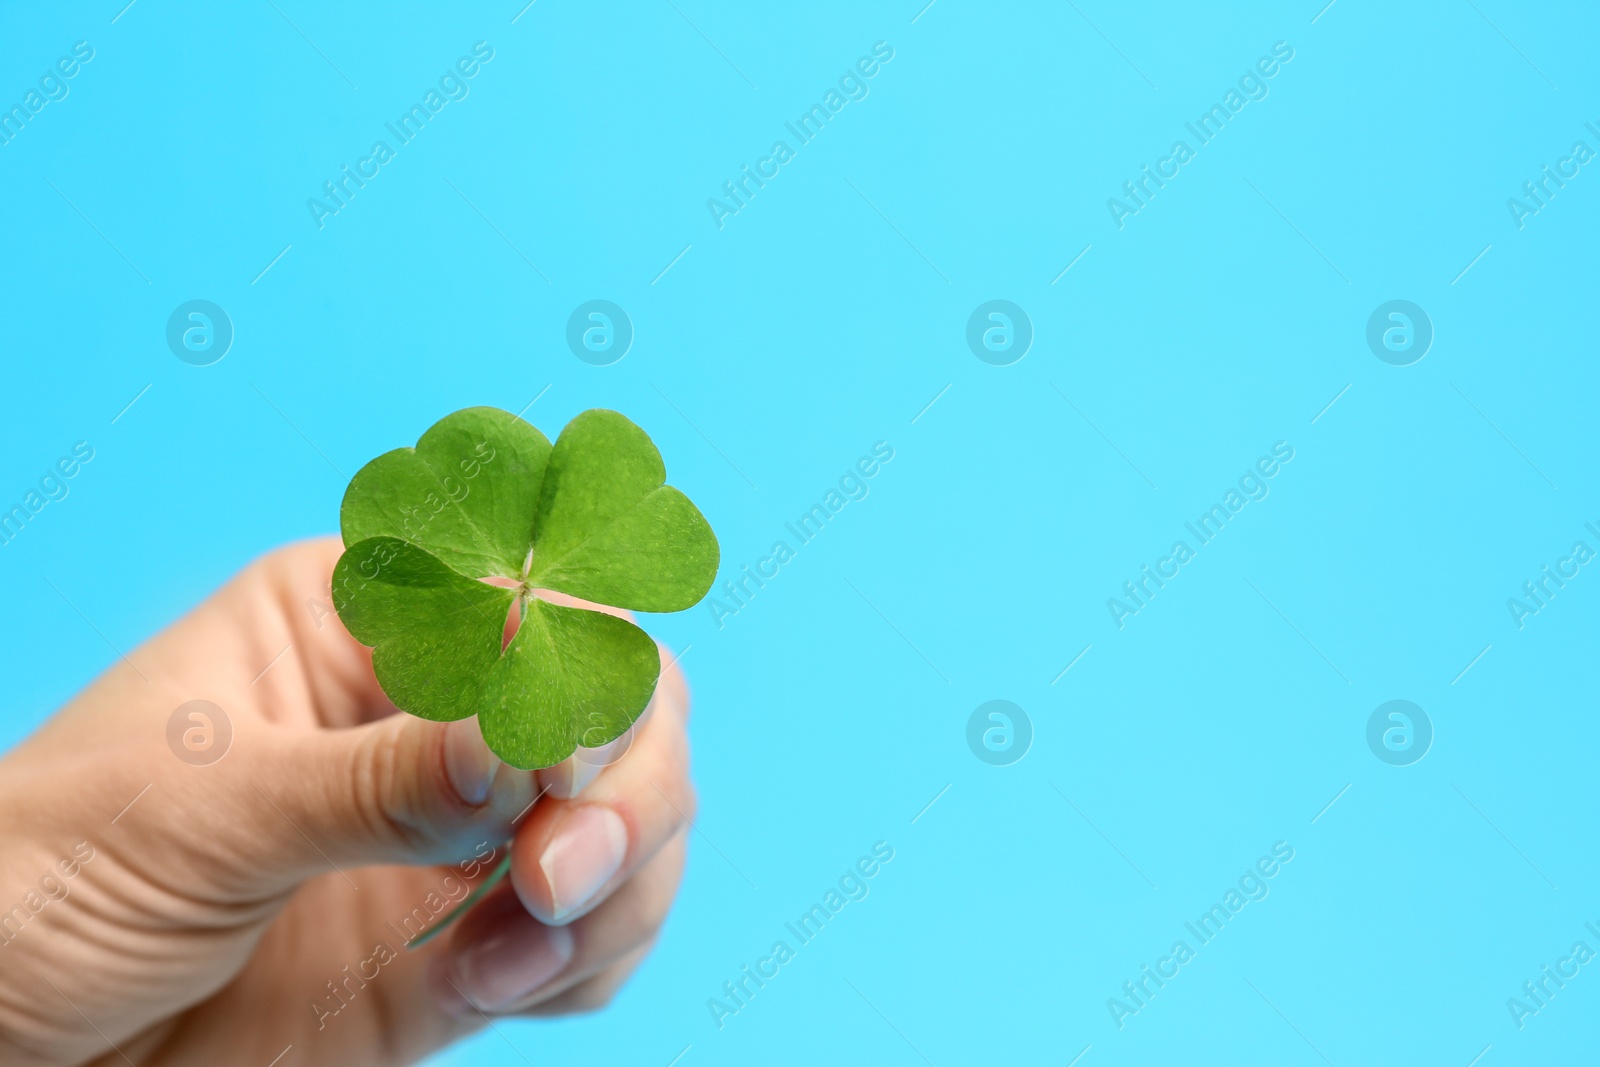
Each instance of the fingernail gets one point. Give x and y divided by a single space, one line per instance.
513 963
574 774
583 857
468 762
583 772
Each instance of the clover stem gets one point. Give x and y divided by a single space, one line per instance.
466 905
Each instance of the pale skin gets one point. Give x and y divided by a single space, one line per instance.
216 908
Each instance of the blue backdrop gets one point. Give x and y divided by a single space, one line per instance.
1376 501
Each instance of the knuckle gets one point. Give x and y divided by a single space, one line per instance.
596 997
653 894
671 750
385 797
691 800
675 690
653 915
665 805
287 567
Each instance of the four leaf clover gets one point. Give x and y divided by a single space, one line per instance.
445 540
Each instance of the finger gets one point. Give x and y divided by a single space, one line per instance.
399 790
395 790
405 790
595 993
283 799
570 854
386 788
503 960
625 923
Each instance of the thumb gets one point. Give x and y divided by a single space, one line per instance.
398 790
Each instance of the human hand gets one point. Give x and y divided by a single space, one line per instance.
156 909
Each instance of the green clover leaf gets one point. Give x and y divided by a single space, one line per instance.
484 495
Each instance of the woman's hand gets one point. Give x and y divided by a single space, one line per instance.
161 906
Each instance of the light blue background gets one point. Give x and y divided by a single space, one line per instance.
824 317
